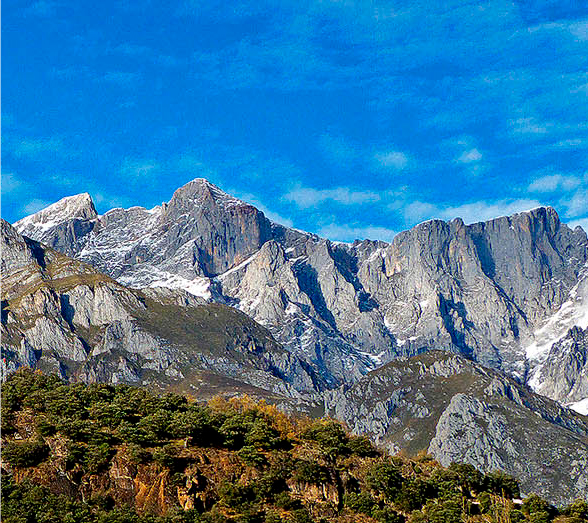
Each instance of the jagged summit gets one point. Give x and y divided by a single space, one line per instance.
484 289
79 206
200 193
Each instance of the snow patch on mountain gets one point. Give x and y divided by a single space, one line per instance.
572 313
581 407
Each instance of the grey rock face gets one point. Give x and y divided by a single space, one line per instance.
483 290
564 375
63 316
461 412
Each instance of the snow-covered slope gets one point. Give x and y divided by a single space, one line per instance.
557 358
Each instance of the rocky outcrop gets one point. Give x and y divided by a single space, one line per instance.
461 412
564 374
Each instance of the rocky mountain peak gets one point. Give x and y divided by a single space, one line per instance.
79 206
200 192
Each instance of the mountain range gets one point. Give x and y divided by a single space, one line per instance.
483 326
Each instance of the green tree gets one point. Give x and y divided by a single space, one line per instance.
25 453
501 484
384 478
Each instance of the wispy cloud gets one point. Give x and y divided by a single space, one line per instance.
470 212
469 156
346 154
36 148
109 201
306 197
34 205
139 168
583 222
576 204
41 8
254 200
349 233
554 182
143 52
11 183
396 160
339 151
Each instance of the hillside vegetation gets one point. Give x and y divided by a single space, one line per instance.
113 454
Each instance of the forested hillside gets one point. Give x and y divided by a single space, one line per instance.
103 453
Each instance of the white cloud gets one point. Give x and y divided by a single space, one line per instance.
306 197
139 168
470 156
470 213
554 182
582 222
576 204
391 160
348 233
34 206
10 183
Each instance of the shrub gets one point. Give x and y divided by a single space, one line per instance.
387 515
537 509
166 456
285 501
129 433
331 437
97 457
413 494
384 478
233 431
300 515
362 502
156 426
444 511
578 509
25 453
262 435
501 484
311 472
470 479
235 496
107 413
252 457
485 502
76 453
45 427
138 454
75 429
195 423
362 446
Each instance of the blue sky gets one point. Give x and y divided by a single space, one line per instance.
348 119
